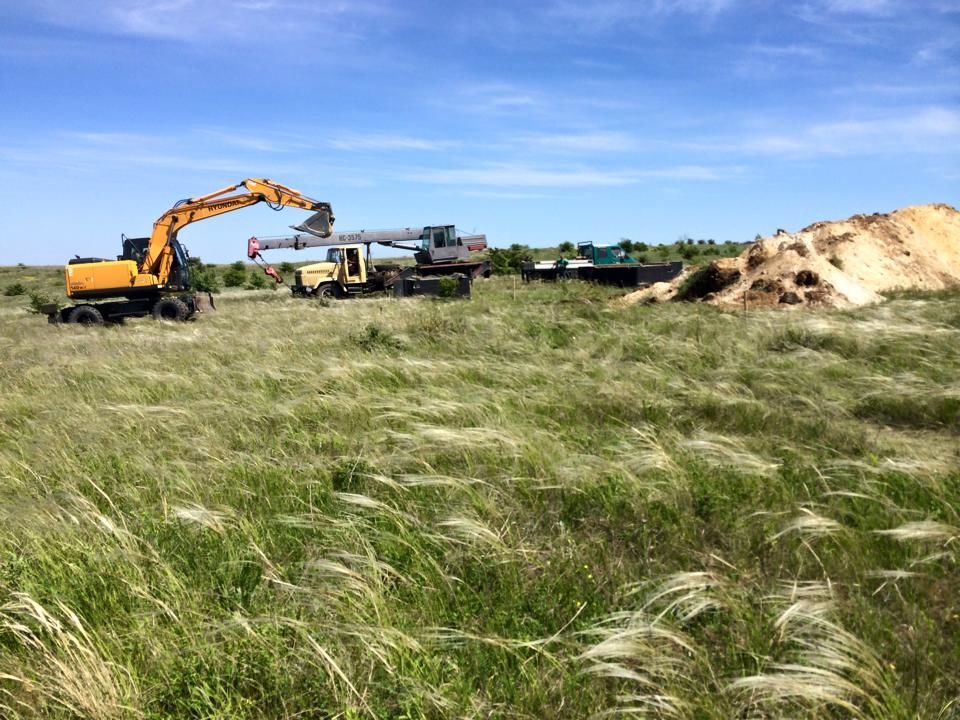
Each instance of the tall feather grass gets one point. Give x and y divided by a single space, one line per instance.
543 507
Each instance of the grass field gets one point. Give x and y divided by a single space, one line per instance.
530 504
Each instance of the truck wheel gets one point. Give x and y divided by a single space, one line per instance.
327 291
85 315
170 308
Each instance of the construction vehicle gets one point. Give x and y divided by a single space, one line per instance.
349 271
438 251
152 275
604 264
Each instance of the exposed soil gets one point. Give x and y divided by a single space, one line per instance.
834 264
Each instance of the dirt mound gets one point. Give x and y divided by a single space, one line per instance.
834 264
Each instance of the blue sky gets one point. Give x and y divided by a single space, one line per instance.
534 122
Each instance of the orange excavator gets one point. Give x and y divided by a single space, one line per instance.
152 276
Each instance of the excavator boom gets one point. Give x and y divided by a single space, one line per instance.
159 255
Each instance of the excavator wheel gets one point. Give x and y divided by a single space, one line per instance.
85 315
170 308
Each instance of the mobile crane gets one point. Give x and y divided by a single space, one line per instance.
438 250
152 275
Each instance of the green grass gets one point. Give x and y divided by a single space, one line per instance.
528 505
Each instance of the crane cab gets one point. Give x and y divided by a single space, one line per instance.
439 244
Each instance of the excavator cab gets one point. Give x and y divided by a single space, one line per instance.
136 248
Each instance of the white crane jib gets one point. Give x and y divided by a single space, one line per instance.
431 243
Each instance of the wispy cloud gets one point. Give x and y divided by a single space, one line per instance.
373 142
505 195
507 175
863 7
604 13
86 152
207 20
924 130
589 142
484 97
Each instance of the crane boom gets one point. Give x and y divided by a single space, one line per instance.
414 237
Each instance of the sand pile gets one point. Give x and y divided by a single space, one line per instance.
834 264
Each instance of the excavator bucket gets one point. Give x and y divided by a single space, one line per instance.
317 224
203 303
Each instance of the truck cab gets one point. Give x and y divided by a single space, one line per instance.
341 272
603 254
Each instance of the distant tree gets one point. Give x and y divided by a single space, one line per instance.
566 247
711 241
626 244
701 241
640 246
507 261
287 267
236 275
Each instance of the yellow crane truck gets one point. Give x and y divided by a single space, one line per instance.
348 268
152 276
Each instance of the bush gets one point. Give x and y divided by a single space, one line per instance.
626 244
287 267
236 275
566 247
507 261
203 278
38 300
836 262
375 337
257 280
448 287
15 289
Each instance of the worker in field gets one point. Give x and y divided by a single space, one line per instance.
562 268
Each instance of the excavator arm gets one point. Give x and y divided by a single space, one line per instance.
158 258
